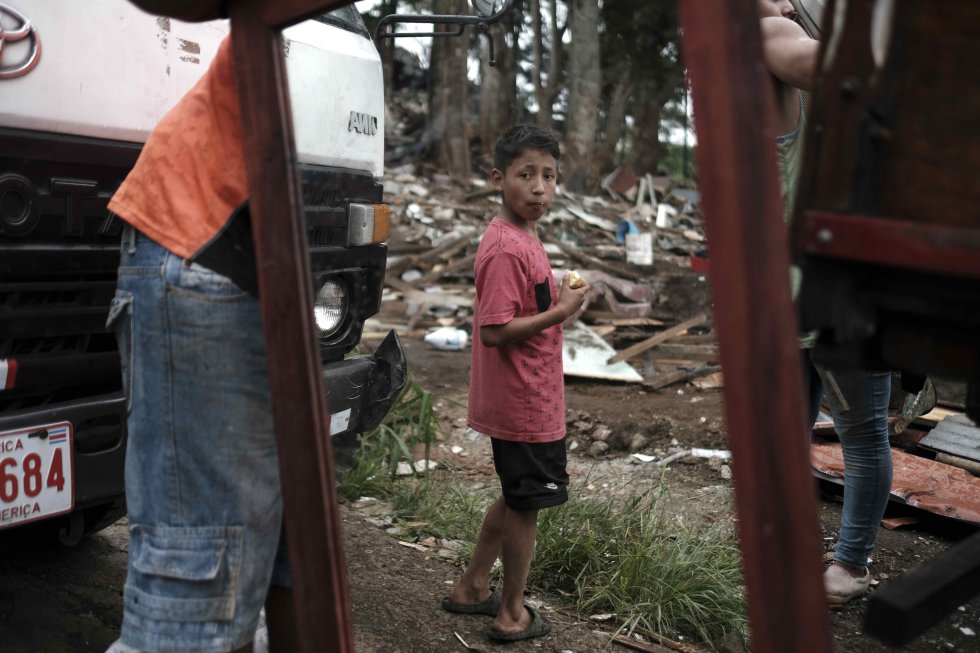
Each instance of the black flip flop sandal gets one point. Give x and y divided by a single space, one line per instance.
538 628
489 607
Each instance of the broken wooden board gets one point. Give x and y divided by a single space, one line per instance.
585 354
599 317
956 435
918 482
676 376
702 353
935 416
655 340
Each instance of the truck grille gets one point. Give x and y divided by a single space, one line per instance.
55 331
59 250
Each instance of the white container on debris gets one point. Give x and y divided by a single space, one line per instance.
447 339
639 248
664 214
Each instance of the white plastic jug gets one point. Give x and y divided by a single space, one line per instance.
447 339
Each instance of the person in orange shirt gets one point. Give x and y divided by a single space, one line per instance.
205 510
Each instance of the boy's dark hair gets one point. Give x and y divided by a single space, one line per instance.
518 139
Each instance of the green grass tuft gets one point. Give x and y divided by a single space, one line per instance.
627 558
411 421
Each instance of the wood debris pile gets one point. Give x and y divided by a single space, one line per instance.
637 319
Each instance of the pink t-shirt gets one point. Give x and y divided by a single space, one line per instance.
517 391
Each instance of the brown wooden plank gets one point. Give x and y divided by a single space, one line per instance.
907 606
756 326
323 612
702 353
676 376
655 340
446 250
936 248
708 338
592 262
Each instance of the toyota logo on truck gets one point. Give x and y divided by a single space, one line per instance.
9 35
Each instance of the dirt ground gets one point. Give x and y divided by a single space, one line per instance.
54 599
693 418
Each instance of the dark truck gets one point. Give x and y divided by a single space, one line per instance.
81 85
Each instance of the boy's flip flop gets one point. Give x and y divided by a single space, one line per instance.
539 627
489 607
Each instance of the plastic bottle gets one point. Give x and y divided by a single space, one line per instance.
447 339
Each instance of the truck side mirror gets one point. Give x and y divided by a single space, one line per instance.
490 12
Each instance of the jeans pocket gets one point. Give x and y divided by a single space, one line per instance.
120 321
204 283
185 574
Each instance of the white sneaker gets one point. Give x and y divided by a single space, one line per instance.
841 587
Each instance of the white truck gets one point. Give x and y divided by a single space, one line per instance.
81 86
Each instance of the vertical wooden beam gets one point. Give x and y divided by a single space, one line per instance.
323 612
757 329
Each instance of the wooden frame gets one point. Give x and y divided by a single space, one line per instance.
754 320
299 406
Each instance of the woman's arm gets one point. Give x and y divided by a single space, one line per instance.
790 54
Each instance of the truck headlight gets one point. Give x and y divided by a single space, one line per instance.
330 306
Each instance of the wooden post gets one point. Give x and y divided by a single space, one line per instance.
757 330
323 612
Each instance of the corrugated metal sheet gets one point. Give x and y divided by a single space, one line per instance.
956 435
926 484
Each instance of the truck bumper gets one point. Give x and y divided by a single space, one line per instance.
99 447
360 391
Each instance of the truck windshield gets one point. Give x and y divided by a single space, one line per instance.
347 18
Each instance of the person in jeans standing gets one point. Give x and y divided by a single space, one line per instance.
862 427
206 550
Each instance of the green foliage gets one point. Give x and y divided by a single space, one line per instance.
446 510
641 52
619 556
677 165
642 39
628 558
411 421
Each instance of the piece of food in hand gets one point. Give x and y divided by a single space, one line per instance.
575 279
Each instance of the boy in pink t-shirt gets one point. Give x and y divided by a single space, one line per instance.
516 382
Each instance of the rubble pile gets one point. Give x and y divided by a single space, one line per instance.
635 244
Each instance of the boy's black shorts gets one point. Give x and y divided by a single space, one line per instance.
532 474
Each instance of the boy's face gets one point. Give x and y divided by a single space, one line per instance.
527 186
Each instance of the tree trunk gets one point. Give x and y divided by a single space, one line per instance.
646 134
448 128
615 120
583 108
546 87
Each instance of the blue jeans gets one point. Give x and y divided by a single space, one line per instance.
202 474
863 433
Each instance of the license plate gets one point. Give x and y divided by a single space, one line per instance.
36 475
